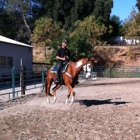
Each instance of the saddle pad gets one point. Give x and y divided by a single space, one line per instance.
53 69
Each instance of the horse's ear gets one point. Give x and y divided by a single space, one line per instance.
90 59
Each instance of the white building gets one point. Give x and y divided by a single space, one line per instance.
14 53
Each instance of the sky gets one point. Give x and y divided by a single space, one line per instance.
123 8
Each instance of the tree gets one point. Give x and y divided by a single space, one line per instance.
102 10
79 47
2 4
67 12
116 23
91 29
45 33
130 25
134 29
138 4
21 15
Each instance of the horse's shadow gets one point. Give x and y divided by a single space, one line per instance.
89 103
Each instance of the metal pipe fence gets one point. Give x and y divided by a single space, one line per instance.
17 83
14 83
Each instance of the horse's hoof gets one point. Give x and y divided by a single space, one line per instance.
71 104
48 101
53 102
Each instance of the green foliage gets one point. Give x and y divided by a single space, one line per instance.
67 12
6 28
102 10
22 14
45 32
132 25
91 29
116 23
134 29
20 17
79 47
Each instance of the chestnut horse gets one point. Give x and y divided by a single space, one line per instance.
69 78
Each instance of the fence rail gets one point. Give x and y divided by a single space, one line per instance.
16 83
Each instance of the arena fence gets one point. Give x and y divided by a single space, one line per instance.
16 83
117 72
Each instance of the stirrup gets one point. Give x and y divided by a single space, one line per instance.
77 82
56 81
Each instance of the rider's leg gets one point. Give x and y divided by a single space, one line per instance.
76 80
58 72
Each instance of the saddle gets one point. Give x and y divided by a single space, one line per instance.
64 68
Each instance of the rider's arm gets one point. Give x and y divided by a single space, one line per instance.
68 55
58 54
60 58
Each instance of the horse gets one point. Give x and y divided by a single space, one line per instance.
69 77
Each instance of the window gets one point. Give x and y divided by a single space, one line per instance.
9 61
2 60
6 61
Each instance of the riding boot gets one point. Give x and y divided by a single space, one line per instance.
59 65
57 80
76 80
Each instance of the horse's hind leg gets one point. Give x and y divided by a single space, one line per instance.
54 92
48 83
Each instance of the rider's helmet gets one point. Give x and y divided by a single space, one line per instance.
65 41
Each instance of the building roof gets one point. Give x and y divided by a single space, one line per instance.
8 40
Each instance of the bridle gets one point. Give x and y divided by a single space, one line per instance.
86 66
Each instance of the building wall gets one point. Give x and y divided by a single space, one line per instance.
18 53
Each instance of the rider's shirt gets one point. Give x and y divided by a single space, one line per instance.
63 52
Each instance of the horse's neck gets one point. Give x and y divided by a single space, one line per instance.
76 67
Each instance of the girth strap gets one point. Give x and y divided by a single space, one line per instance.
69 75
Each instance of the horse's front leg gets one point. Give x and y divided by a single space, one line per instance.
54 92
66 102
73 93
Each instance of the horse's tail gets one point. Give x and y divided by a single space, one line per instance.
45 86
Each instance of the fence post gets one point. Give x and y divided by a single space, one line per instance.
23 77
137 70
35 77
43 72
110 72
123 70
13 81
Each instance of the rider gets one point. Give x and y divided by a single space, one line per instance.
62 56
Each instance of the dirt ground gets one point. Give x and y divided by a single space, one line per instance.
105 109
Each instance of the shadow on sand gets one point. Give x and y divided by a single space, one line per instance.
89 103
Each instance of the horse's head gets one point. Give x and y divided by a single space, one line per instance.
87 66
87 69
83 64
